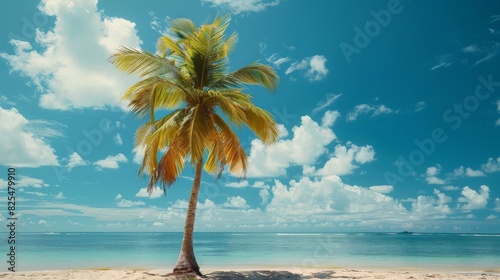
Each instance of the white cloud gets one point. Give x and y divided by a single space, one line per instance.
490 53
118 139
239 184
314 67
375 110
419 106
469 172
473 199
138 154
156 193
491 165
330 98
329 118
124 203
69 66
471 49
236 202
76 160
276 60
382 188
111 162
494 18
497 204
33 193
491 217
239 6
308 143
158 224
431 175
430 206
441 65
25 181
20 146
264 194
443 61
260 185
344 159
450 188
59 195
459 172
5 101
329 199
42 222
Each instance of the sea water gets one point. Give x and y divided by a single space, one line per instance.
458 252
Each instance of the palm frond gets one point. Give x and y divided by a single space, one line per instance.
234 154
253 74
183 28
143 63
261 122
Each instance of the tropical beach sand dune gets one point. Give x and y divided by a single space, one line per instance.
310 274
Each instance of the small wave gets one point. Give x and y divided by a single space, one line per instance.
298 234
52 233
490 235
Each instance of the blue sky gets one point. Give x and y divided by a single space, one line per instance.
389 111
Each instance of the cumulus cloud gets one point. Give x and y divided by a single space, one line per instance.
125 203
59 195
329 198
345 159
111 162
329 118
20 146
240 6
260 185
313 68
307 144
25 181
450 188
469 172
431 175
497 204
156 193
118 139
69 65
382 188
491 165
264 195
472 199
138 154
431 206
375 110
236 202
239 184
76 160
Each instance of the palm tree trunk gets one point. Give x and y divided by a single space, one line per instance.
187 261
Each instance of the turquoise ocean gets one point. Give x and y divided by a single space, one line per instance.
455 252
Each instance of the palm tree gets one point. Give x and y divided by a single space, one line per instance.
189 77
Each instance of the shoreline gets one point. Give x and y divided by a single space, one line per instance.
257 273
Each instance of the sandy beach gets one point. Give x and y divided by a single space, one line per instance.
310 274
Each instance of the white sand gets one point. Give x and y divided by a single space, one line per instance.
310 274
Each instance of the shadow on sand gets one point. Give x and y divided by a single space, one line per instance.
269 274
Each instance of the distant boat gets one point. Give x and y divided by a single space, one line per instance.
405 232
